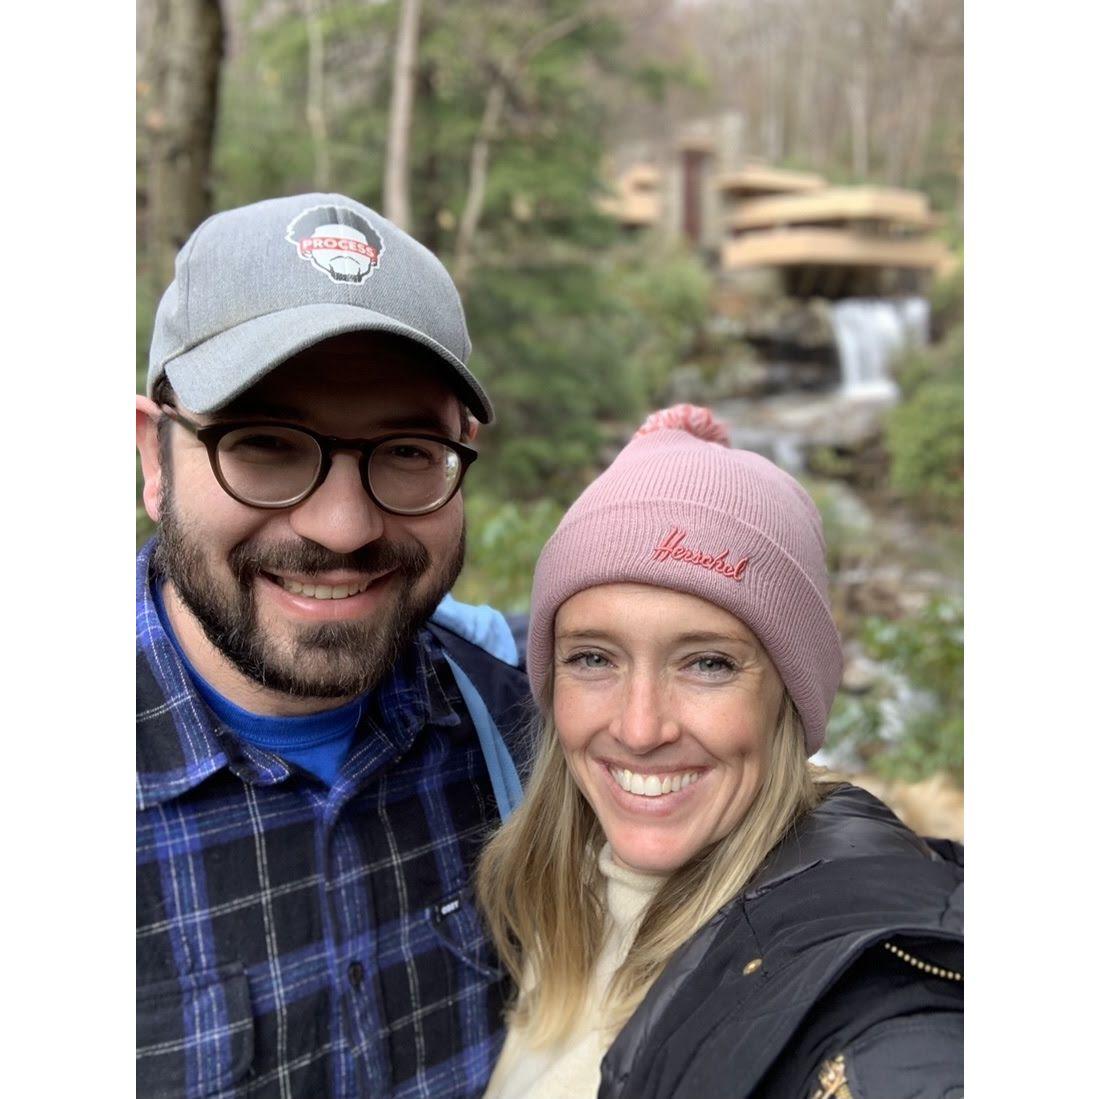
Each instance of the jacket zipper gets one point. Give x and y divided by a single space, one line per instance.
924 967
832 1077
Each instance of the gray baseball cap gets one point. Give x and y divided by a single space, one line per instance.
256 285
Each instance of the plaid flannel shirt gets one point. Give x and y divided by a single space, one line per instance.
296 940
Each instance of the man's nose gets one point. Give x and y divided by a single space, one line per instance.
339 514
646 719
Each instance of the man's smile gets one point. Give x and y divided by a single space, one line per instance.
327 602
318 587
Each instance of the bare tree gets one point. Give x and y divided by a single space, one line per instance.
862 88
182 64
396 200
315 112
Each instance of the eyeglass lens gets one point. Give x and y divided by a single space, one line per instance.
278 466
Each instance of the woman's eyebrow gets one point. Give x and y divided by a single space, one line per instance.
693 637
706 637
582 635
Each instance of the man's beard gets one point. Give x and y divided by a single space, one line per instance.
326 660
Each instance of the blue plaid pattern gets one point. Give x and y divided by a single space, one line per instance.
295 940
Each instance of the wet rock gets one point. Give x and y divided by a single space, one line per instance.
737 293
792 323
817 426
687 384
880 593
859 675
739 378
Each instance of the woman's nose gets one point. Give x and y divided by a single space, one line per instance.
645 720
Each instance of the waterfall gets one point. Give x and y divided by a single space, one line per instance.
869 334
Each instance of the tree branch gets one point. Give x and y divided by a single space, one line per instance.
488 130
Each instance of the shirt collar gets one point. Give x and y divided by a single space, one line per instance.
180 742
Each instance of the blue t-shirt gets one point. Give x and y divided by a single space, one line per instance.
318 743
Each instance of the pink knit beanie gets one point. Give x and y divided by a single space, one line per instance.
678 508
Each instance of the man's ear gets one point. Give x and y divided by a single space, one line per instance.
147 417
474 427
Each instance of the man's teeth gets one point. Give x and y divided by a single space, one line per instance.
654 786
323 591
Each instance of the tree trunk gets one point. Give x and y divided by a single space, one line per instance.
186 47
487 132
859 107
314 97
478 179
396 200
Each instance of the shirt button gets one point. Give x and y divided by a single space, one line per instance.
355 974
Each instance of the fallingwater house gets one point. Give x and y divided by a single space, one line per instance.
864 255
824 241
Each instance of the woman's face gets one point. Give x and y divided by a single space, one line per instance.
665 706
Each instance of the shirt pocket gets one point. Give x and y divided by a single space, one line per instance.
459 929
441 999
195 1034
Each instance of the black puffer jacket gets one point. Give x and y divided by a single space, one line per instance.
836 973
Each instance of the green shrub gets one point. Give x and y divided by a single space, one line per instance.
503 540
563 349
664 309
848 526
927 650
948 301
924 433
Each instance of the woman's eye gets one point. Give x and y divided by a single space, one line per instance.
594 661
713 666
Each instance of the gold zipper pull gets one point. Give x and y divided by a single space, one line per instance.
833 1080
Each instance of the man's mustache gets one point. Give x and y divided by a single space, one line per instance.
247 561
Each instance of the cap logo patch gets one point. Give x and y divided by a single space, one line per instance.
672 549
337 241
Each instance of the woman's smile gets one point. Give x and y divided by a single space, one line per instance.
664 726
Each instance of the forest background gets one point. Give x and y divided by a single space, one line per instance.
485 129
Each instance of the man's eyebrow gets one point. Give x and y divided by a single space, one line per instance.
252 410
414 421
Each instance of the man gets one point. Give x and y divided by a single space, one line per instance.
315 777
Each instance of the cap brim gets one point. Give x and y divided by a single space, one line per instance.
209 376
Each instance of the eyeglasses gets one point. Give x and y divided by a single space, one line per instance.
277 465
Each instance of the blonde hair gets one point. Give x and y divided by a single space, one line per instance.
541 892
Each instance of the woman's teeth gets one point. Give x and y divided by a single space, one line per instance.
323 591
653 786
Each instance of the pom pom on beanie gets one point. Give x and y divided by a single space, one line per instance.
679 508
696 421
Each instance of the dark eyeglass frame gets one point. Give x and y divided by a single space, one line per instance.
212 434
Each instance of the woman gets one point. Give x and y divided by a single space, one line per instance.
687 910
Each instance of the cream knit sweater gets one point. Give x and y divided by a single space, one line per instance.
569 1069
